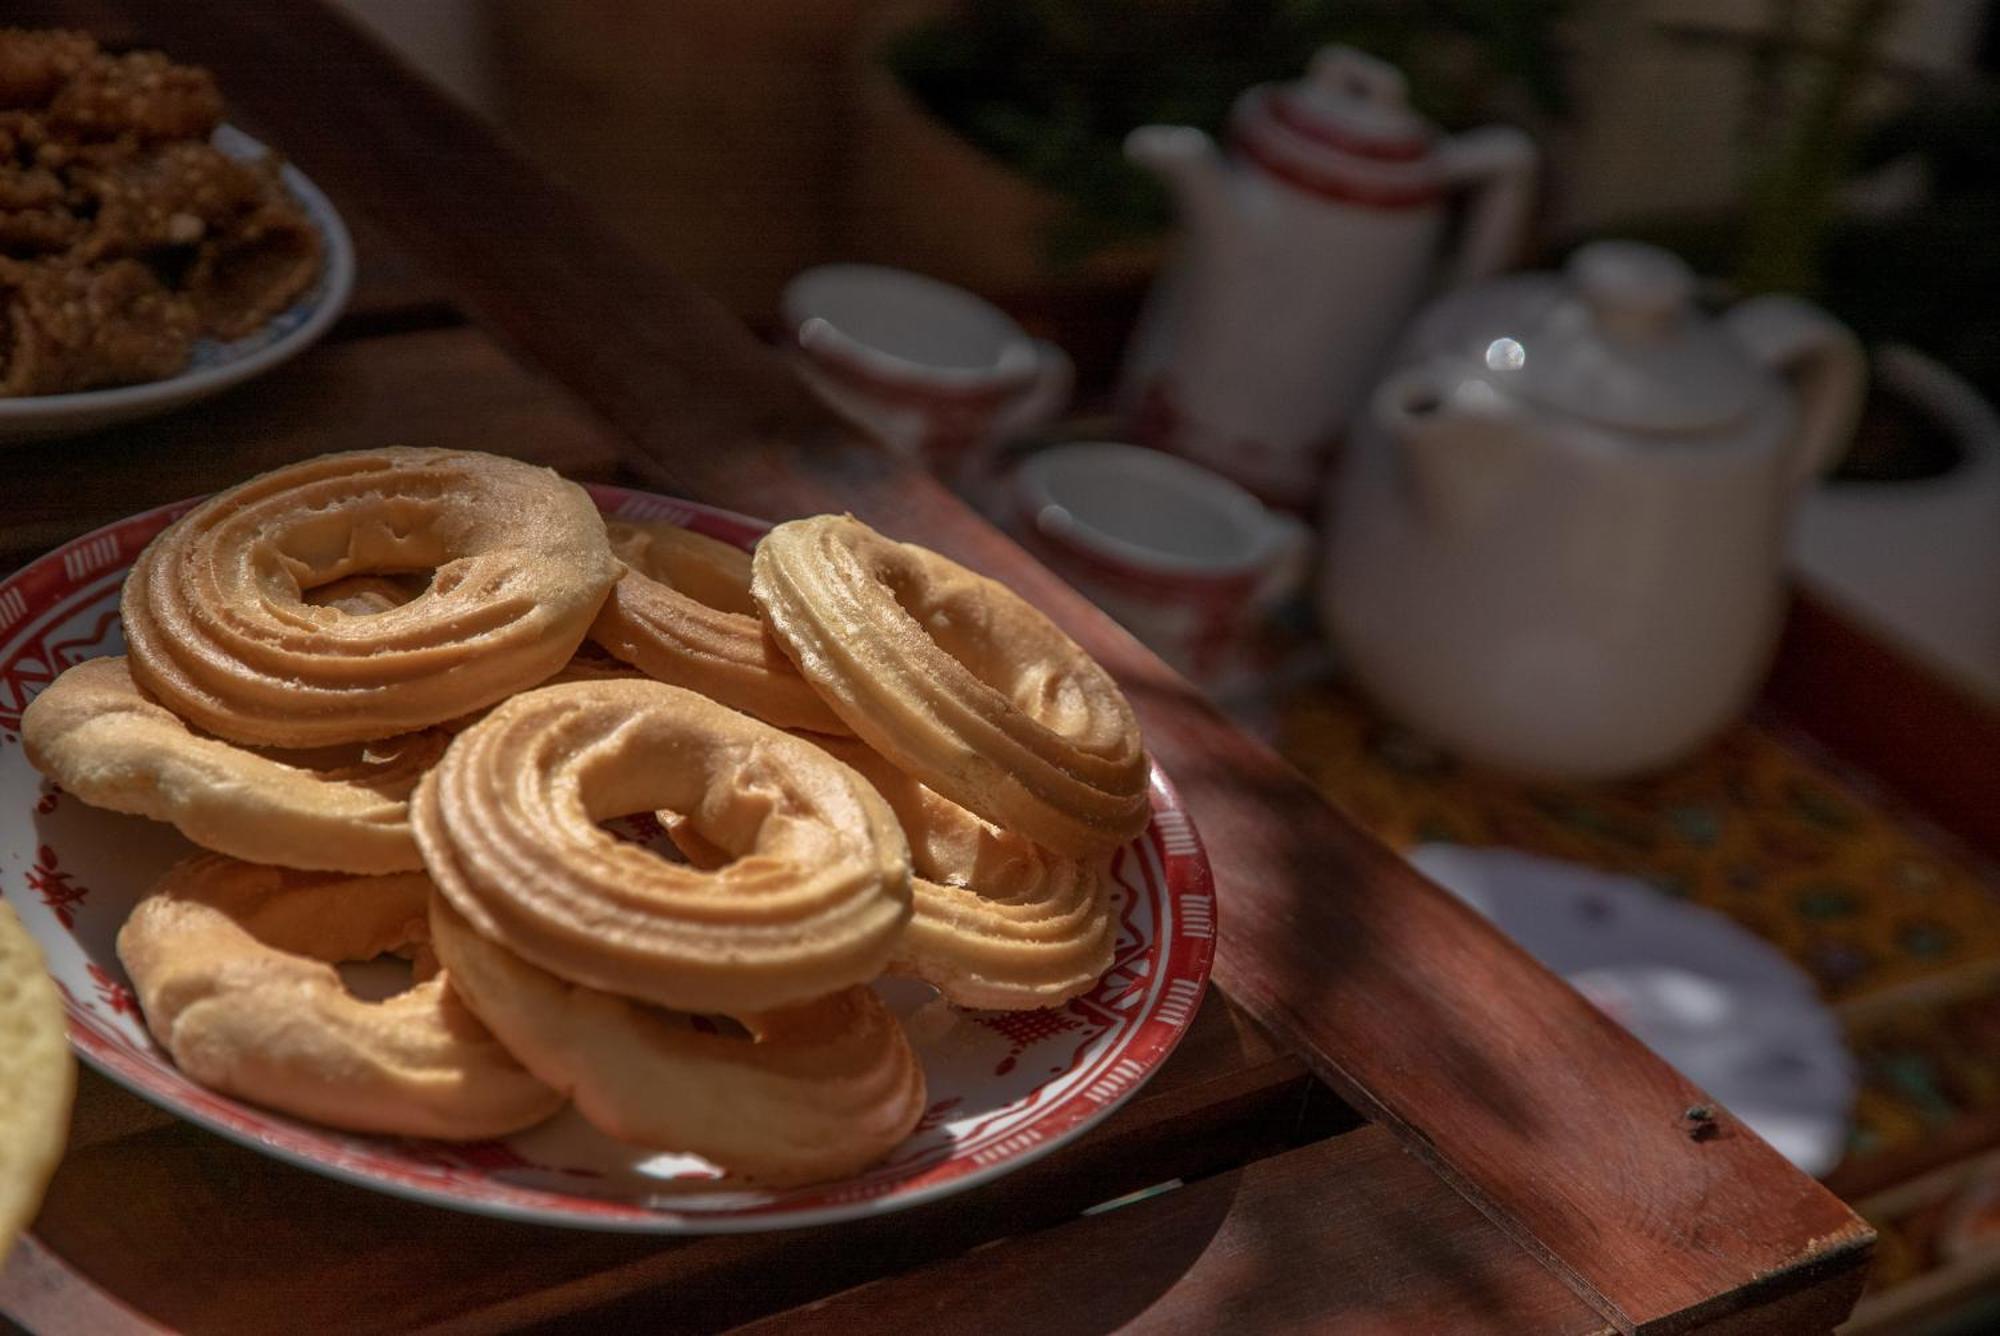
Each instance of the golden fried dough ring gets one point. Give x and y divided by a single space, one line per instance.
957 680
220 634
999 922
37 1078
364 595
815 900
819 1090
233 964
683 613
96 734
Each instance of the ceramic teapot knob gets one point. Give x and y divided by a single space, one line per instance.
1631 288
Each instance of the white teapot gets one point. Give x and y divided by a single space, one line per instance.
1302 253
1558 542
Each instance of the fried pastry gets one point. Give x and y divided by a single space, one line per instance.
219 631
125 233
95 733
141 94
66 327
34 65
683 614
998 922
166 196
252 271
814 1091
815 900
233 964
957 680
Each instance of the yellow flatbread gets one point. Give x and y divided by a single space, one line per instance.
37 1078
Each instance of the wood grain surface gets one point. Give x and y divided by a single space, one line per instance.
1550 1121
443 387
201 1234
1235 1240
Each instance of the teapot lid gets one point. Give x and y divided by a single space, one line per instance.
1352 103
1619 341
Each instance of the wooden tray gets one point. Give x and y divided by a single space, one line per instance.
1388 1118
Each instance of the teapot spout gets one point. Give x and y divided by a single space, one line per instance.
1192 167
1453 436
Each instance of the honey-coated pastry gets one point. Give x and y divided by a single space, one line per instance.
958 681
233 963
508 824
140 95
66 327
219 631
999 922
816 1091
171 195
683 613
95 733
34 64
125 232
254 270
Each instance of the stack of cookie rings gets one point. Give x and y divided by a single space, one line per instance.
385 760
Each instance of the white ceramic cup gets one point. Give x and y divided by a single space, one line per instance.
940 375
1184 558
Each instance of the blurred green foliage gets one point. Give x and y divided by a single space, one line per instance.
1052 87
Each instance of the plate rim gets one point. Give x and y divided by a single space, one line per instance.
51 411
1184 871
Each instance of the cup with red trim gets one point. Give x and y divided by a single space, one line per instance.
1185 559
939 374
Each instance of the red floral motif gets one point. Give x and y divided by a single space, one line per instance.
1023 1029
50 794
113 993
58 892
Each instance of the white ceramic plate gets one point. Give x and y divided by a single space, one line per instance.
1004 1088
215 366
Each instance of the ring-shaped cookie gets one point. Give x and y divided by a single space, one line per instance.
998 922
682 612
958 680
341 809
508 824
233 964
818 1090
219 630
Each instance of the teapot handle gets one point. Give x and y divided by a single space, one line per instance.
1797 339
1498 165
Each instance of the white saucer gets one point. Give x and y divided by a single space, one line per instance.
1721 1006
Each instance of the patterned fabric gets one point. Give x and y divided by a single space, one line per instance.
1900 927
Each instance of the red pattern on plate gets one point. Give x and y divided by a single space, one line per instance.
113 993
58 892
1125 1028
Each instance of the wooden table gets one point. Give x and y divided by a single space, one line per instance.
1387 1118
